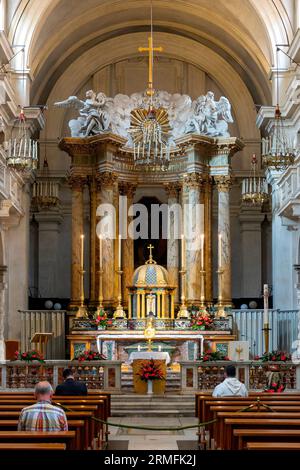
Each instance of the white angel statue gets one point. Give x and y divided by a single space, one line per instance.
94 114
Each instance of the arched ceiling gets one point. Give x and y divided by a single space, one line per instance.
242 33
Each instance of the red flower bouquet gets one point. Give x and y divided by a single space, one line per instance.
102 320
201 321
274 356
150 371
89 356
29 356
275 387
214 356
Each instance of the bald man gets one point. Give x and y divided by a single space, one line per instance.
43 416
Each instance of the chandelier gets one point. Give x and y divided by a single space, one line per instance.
45 190
254 188
277 152
22 153
149 126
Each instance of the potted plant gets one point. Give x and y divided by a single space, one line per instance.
149 372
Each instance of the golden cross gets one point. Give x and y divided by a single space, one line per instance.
150 49
150 247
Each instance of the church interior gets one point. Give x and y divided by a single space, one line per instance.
149 220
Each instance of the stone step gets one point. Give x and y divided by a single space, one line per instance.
131 404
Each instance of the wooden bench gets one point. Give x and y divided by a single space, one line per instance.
64 437
31 446
268 435
231 424
270 446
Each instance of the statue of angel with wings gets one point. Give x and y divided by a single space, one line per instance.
94 114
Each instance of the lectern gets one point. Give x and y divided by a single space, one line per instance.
41 340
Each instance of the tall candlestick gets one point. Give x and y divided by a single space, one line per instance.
120 259
100 251
182 252
220 250
81 251
266 304
202 251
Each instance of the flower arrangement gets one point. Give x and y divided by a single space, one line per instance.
274 356
102 321
214 356
201 321
275 387
89 356
29 356
150 371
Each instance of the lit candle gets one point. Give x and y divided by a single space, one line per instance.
266 304
81 251
120 261
202 251
182 252
100 251
220 250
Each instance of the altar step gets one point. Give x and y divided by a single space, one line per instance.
131 404
172 382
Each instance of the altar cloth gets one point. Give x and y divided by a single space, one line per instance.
147 355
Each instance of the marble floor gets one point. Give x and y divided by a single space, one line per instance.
140 439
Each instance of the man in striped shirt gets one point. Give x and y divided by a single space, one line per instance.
43 416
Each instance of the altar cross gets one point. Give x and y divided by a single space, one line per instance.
150 49
150 260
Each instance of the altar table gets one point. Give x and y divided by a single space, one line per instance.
139 358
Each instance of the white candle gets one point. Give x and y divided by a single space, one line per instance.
120 260
100 252
202 251
81 251
159 347
182 252
266 304
139 347
220 250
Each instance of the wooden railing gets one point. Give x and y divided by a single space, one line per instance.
97 375
254 374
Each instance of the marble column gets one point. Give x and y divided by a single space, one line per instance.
127 191
77 184
208 260
93 241
105 195
3 287
174 234
48 236
193 228
223 183
251 219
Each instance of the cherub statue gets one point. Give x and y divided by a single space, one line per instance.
94 114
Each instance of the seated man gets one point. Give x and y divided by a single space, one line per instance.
231 386
70 386
43 416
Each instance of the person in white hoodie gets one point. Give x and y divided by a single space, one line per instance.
231 386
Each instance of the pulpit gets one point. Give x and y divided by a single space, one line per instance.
41 340
137 359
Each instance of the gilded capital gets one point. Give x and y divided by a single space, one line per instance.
106 179
172 190
193 180
127 189
77 182
223 183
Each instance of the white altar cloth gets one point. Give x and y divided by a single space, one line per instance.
156 355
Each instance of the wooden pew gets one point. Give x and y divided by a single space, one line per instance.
230 424
73 425
265 435
12 446
89 428
270 446
64 437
